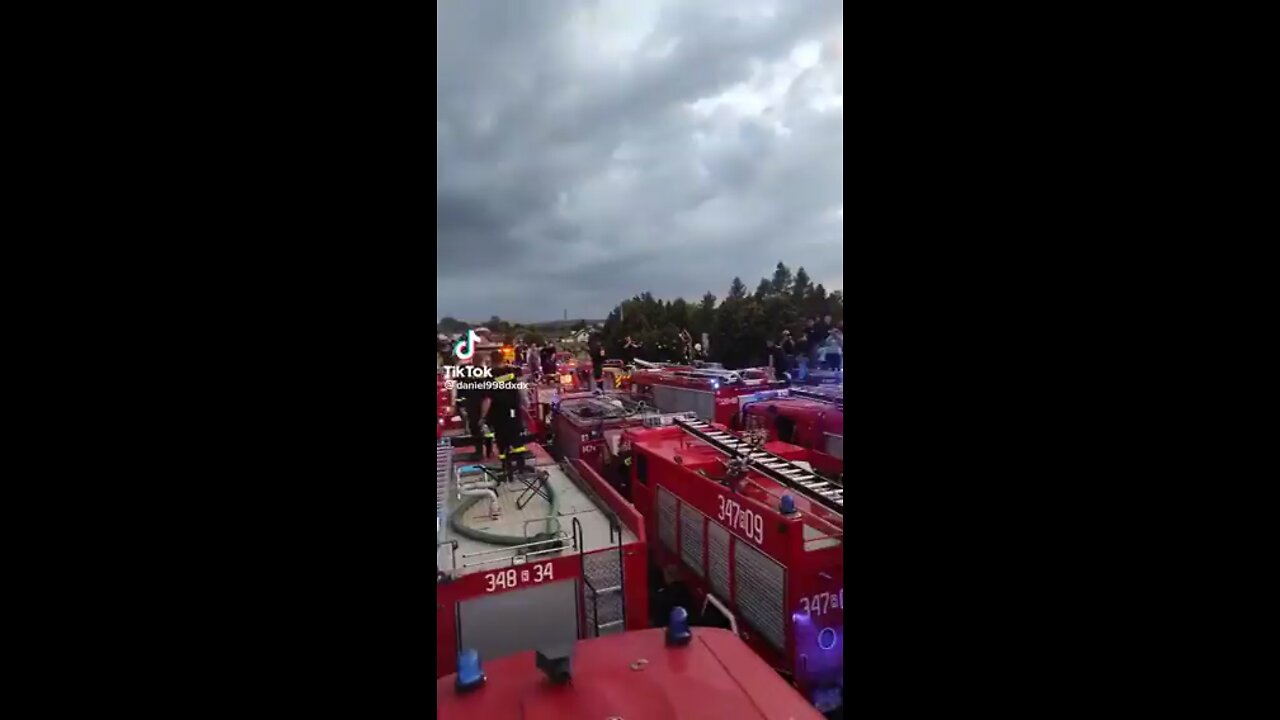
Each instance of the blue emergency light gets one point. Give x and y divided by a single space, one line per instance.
788 505
470 673
678 627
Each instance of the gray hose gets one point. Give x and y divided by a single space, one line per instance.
551 536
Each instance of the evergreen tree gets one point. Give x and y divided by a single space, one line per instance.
764 289
802 288
781 279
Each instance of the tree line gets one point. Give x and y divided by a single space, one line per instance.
737 327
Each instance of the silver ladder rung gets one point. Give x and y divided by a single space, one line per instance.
610 589
602 626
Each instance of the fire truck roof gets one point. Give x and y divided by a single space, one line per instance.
546 514
592 409
633 675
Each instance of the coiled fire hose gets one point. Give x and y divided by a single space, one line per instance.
551 535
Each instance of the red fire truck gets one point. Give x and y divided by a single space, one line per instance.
539 408
675 673
711 393
808 417
447 417
551 555
616 376
573 373
743 527
590 427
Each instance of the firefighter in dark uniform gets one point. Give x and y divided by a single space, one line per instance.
597 362
501 410
470 400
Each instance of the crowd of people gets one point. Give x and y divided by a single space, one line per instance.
686 350
538 360
821 347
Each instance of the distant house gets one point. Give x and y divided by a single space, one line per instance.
582 336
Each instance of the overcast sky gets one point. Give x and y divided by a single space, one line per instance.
587 151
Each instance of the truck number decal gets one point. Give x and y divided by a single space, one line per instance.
750 523
822 603
509 579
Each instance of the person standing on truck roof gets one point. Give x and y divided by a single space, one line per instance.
549 362
597 362
629 349
835 354
777 360
501 408
470 399
534 360
686 343
822 330
789 350
809 346
821 338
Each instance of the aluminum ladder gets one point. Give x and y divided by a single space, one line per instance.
603 586
786 473
444 468
818 397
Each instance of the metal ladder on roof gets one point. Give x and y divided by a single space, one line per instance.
818 397
784 472
444 468
603 585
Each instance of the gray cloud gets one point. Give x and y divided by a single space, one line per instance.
590 150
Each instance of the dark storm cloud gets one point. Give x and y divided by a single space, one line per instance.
589 151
